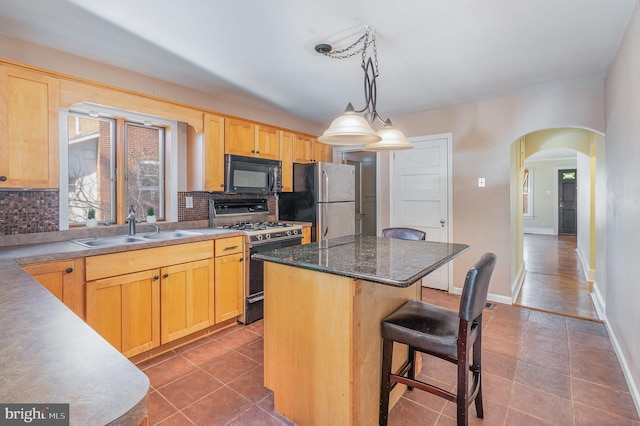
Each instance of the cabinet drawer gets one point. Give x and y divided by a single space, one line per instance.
225 246
110 265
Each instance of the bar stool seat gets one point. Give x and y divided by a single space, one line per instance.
443 333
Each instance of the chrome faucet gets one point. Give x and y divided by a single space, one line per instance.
131 220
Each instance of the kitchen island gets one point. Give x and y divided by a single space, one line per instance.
323 308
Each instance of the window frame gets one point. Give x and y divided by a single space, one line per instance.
527 192
174 136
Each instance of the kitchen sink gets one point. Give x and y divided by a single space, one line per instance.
109 241
170 235
122 240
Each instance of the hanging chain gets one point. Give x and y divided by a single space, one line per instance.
369 66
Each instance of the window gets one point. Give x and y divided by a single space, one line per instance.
144 173
99 178
527 194
91 167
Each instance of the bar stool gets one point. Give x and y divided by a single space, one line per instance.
443 333
403 233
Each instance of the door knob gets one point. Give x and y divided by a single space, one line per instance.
442 222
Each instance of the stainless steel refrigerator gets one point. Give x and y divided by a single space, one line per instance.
323 194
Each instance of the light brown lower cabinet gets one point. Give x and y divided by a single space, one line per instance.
186 298
229 286
64 279
139 310
125 310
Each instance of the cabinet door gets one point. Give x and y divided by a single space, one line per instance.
64 279
125 310
28 129
229 286
186 297
205 156
267 142
306 235
286 155
239 137
321 151
302 149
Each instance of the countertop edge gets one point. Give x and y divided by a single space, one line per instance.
352 273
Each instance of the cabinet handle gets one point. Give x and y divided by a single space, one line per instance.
253 151
3 178
165 275
230 248
68 270
257 152
241 259
156 278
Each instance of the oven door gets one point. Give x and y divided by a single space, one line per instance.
254 290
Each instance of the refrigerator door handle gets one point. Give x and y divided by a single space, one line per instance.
325 221
326 185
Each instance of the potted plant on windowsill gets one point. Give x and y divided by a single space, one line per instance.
91 219
151 217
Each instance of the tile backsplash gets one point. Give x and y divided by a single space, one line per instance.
29 211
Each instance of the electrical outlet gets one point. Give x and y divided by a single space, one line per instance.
480 182
189 202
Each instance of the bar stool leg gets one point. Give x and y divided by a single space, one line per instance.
385 381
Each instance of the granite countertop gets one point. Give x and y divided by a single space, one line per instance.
387 261
49 355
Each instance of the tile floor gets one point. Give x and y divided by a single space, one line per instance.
539 369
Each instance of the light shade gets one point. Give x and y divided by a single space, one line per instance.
349 129
391 140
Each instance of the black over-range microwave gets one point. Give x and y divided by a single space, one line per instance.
249 175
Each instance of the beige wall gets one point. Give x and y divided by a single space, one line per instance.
483 134
621 286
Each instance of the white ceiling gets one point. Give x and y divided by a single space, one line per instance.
432 53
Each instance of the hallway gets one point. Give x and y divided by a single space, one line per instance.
554 280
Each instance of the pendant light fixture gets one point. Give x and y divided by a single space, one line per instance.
351 128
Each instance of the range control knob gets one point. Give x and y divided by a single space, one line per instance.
294 232
288 232
268 236
259 237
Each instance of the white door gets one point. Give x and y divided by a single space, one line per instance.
420 192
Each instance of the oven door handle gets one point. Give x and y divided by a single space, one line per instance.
256 298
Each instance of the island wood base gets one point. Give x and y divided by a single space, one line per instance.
322 344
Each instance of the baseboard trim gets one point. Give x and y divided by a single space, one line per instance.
633 389
490 297
598 301
589 274
542 231
516 285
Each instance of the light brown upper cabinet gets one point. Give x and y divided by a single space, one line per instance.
28 129
205 155
307 149
286 155
320 151
267 142
239 137
245 138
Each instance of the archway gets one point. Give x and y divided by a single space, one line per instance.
534 211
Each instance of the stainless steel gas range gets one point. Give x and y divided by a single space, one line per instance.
250 216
